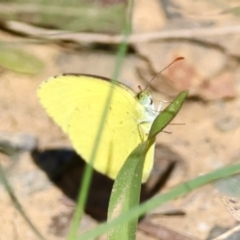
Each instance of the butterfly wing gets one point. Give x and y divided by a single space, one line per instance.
77 103
60 96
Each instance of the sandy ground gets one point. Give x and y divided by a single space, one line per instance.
208 140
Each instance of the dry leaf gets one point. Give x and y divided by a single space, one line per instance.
232 204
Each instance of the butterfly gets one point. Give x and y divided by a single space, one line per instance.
77 102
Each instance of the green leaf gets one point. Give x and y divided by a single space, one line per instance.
19 61
73 15
126 193
167 115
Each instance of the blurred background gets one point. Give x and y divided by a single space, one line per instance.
40 38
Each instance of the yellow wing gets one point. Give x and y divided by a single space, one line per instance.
76 103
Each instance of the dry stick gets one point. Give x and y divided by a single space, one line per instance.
228 233
116 39
203 16
161 232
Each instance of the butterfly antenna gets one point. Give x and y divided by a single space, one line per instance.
140 89
175 60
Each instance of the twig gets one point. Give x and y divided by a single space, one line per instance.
161 232
116 39
228 233
203 16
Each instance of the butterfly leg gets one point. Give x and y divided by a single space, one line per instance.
160 107
144 128
143 132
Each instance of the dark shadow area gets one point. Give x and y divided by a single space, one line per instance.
166 161
65 169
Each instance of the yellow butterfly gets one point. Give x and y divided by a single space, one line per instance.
76 103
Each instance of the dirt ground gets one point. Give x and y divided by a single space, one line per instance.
45 179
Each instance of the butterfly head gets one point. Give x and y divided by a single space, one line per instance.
145 98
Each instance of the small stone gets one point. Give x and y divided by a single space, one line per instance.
15 143
227 123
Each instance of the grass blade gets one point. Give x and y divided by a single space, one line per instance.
158 200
